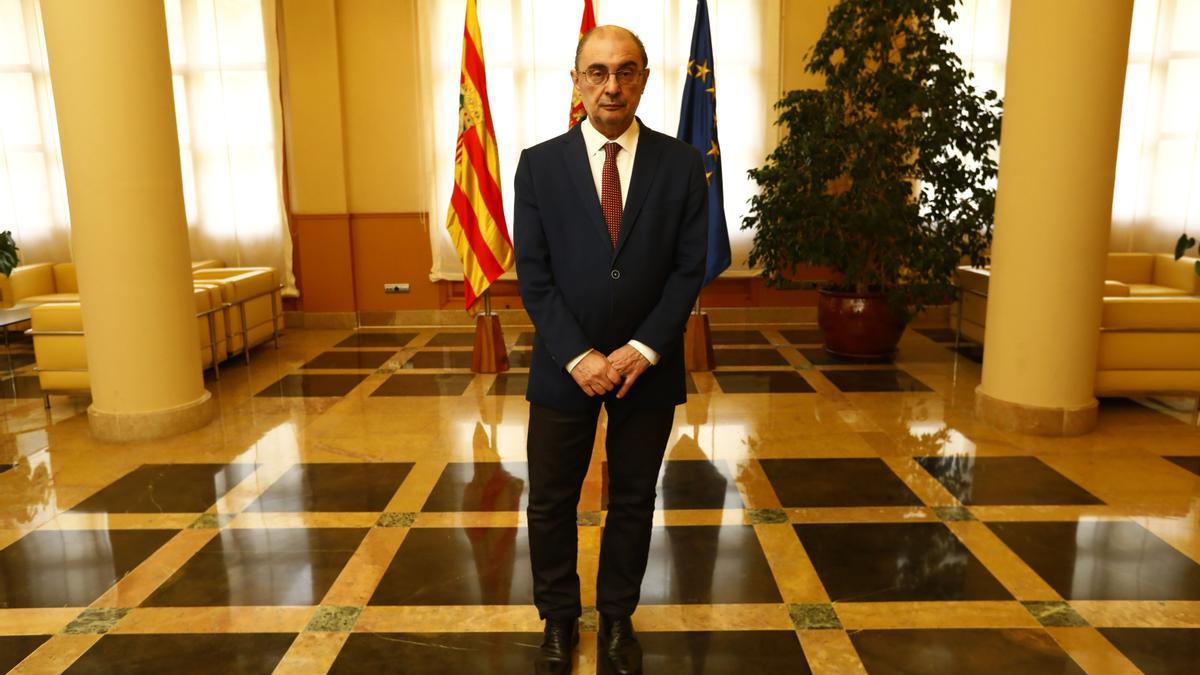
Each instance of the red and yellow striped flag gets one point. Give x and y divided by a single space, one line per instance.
587 23
476 218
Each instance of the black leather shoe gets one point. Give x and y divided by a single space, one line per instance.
620 651
554 656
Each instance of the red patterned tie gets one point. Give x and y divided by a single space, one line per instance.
610 191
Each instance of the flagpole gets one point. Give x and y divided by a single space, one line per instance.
697 343
489 354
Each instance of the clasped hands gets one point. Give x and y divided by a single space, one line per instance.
597 375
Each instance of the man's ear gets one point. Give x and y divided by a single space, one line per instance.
575 81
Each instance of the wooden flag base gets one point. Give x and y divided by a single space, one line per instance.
697 344
489 355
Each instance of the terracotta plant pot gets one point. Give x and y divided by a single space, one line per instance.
858 326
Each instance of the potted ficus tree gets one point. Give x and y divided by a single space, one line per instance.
886 176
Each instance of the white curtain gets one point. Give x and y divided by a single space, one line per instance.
225 62
529 50
1158 163
1157 190
33 194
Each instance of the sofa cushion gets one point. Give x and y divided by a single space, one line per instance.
1149 351
49 298
1155 291
1177 274
64 278
29 280
1151 313
1152 381
1130 268
1116 289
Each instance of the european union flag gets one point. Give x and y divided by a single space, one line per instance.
698 126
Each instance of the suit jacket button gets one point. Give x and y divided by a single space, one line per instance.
616 274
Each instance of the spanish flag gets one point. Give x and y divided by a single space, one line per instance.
587 23
476 218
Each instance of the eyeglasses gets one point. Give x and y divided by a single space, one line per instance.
599 76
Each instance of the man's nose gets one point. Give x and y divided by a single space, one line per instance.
610 85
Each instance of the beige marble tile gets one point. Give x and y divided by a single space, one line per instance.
133 589
449 619
55 655
684 517
1139 613
416 487
472 519
215 620
39 621
1006 566
1017 513
861 514
920 482
244 493
311 653
830 652
121 521
974 614
1093 653
358 579
258 520
794 573
1180 530
711 617
752 483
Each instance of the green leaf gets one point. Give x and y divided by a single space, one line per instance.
1198 268
1185 242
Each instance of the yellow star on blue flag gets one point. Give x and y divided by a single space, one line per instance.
698 126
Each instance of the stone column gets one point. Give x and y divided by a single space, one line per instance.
111 76
1058 149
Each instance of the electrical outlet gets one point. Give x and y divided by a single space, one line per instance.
395 288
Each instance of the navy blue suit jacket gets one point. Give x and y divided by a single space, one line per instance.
580 292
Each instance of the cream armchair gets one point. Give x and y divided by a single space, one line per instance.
61 355
39 283
1149 345
253 304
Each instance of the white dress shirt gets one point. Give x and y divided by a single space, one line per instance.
594 142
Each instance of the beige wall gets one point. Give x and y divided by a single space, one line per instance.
377 42
312 106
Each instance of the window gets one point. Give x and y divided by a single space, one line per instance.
33 195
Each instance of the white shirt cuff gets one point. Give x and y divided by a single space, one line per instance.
575 361
650 354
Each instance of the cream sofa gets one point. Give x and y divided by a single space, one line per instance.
61 355
1154 274
39 283
1138 275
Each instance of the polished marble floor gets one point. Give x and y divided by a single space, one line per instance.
358 507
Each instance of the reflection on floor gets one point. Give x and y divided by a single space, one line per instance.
358 507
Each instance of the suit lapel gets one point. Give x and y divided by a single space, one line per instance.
576 159
645 164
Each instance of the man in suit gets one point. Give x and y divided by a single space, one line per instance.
610 233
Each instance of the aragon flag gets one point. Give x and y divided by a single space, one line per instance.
587 23
698 126
476 217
